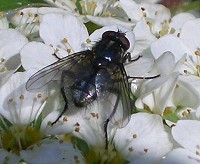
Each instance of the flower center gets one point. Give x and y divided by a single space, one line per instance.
3 68
20 138
165 29
193 63
95 8
27 23
197 53
88 8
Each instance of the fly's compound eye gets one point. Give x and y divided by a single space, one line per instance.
118 37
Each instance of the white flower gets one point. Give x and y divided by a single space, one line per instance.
169 43
146 33
103 12
143 37
192 42
21 134
10 157
91 7
60 38
143 139
187 43
177 22
27 20
186 133
166 92
86 124
158 94
18 105
20 112
10 44
52 151
152 13
47 151
181 45
68 5
65 33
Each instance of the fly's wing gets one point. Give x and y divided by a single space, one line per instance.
118 101
123 100
54 70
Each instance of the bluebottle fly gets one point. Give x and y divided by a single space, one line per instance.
90 75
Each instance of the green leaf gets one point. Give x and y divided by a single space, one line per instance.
92 27
13 4
81 144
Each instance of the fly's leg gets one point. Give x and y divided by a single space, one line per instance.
62 90
56 56
127 57
107 121
143 77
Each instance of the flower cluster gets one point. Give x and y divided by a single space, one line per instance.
165 84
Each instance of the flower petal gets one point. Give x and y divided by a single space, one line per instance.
143 37
190 34
143 138
36 55
186 95
158 94
9 157
67 5
67 34
11 42
52 151
108 21
182 156
169 43
17 104
178 20
186 133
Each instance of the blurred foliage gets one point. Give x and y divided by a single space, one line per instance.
194 5
177 6
13 4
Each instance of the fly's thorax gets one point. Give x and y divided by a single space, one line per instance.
108 51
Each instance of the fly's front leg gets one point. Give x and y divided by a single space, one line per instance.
62 90
56 56
143 77
127 58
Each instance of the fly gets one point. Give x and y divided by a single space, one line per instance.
90 75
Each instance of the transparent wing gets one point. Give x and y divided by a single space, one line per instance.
124 98
54 70
118 100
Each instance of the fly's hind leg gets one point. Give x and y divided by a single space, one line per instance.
62 90
108 120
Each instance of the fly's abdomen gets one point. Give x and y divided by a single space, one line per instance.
83 93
